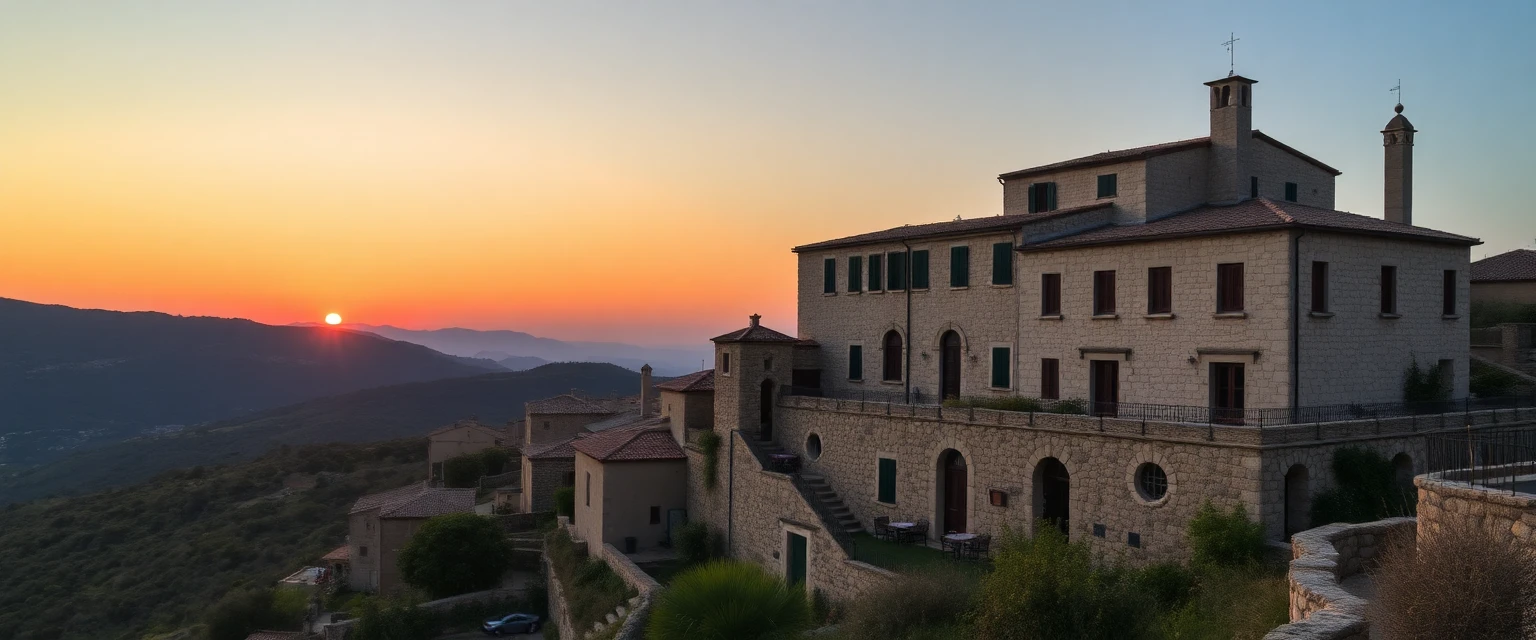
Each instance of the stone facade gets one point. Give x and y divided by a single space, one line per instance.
1442 500
540 479
617 500
549 427
1325 602
460 439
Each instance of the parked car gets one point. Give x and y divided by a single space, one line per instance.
514 623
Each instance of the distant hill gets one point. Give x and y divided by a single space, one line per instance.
470 342
511 362
71 377
153 557
363 416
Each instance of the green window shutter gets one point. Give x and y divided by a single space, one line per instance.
896 271
887 492
874 273
1031 198
1002 367
1290 191
1002 263
1108 185
959 266
855 273
1050 196
829 275
855 362
919 269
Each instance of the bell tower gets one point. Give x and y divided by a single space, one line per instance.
1231 138
752 367
1397 138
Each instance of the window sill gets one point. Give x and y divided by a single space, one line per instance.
1450 316
891 382
856 380
1230 315
955 288
1000 388
919 289
1320 314
1160 316
1002 286
1106 316
875 292
853 293
1388 316
1053 317
1108 197
884 503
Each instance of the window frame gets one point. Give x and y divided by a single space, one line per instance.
1292 192
889 365
992 365
1112 180
874 272
725 369
1050 295
829 276
1104 293
920 283
1320 291
896 275
1002 269
1387 295
1230 287
1253 186
1448 282
856 356
1042 197
1159 290
959 254
881 479
856 273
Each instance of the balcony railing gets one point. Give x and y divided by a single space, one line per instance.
1501 459
1185 414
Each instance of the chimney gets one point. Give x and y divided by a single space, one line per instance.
1397 138
646 391
755 318
1231 138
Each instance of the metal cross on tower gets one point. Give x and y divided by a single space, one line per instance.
1398 90
1231 45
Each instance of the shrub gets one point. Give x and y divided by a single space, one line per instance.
394 619
1047 587
1225 539
1365 490
1460 581
1492 382
565 502
1487 313
454 554
240 612
692 543
494 460
709 444
1425 384
1169 585
726 600
1231 604
933 598
591 589
463 472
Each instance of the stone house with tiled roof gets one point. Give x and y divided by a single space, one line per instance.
461 438
380 524
547 466
631 485
1507 277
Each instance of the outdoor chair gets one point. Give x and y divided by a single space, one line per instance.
979 547
882 527
918 532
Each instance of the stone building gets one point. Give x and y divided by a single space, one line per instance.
631 486
546 467
460 438
1507 277
380 524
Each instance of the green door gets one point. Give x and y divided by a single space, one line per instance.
795 572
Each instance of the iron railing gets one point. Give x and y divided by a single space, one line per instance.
1498 459
1214 416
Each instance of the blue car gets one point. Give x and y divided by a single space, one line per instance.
515 623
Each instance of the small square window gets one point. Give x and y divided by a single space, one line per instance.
1098 531
1290 192
362 551
1108 185
1133 539
655 515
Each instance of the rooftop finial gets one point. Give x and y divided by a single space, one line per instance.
1399 91
755 317
1231 45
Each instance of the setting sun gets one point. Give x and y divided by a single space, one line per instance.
333 318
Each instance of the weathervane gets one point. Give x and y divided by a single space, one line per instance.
1398 90
1231 45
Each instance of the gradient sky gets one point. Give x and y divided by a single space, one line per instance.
638 171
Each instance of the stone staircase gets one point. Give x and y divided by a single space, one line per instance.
833 504
818 495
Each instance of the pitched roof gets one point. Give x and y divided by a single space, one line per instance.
567 404
472 424
697 381
417 501
556 450
1258 214
644 442
342 553
755 333
1142 153
1516 265
620 420
973 226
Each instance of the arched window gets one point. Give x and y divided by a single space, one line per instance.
1245 95
1226 95
892 357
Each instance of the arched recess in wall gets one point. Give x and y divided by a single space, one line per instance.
1402 470
891 356
1052 494
953 485
1298 500
951 355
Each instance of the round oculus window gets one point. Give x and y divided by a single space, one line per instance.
813 446
1151 482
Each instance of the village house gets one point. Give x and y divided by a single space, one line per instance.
1507 277
632 486
380 524
461 438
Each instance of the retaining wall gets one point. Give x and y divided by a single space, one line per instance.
1443 501
1321 607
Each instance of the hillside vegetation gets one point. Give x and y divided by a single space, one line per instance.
153 557
363 416
71 378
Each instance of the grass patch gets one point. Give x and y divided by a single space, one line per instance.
908 558
591 588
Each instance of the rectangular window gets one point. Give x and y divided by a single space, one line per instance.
1002 368
1448 293
875 276
1253 187
1050 294
1108 185
1160 290
655 515
362 551
855 362
1290 192
920 269
589 488
1388 289
829 275
1227 392
1320 287
1002 263
960 266
887 485
1229 287
855 274
896 271
1042 197
1103 293
725 368
1050 379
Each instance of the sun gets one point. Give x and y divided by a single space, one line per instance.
333 318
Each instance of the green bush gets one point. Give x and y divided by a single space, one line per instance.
1046 587
1169 585
1487 314
591 589
1225 539
1021 404
494 460
1493 382
1422 384
692 543
1365 489
935 598
463 472
454 554
727 600
1230 604
709 444
565 502
394 619
240 612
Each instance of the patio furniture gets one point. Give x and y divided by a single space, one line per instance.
784 462
978 548
918 532
957 542
897 531
882 527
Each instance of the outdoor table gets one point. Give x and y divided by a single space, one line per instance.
899 529
959 540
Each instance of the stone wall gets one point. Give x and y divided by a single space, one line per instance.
1323 607
1080 187
540 479
1443 501
1275 167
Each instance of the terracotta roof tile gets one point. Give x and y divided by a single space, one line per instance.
633 444
557 450
755 333
1516 265
618 421
972 226
698 381
1258 214
1142 153
567 404
417 501
342 553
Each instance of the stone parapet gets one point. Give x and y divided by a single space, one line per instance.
1443 501
1321 607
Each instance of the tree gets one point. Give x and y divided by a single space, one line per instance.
463 472
454 554
495 460
728 600
242 611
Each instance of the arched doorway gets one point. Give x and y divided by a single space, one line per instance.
949 365
953 490
1053 494
765 411
1298 500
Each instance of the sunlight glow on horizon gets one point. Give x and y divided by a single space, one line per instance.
333 319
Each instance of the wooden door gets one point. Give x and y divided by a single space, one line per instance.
1104 392
794 564
949 365
1227 392
956 484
